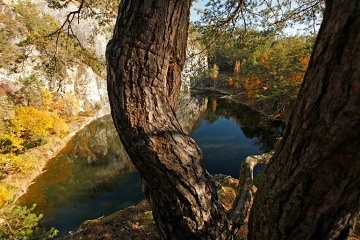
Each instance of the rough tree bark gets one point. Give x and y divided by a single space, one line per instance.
145 58
311 189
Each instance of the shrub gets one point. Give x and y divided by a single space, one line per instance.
29 128
59 126
11 163
6 193
31 124
67 106
17 222
10 142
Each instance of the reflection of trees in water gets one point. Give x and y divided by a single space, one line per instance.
97 149
98 143
254 125
91 161
83 170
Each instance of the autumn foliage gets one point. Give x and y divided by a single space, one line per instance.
265 66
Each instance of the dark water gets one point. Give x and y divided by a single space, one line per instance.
93 175
224 145
228 132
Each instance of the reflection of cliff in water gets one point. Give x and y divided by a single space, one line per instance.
94 162
99 144
190 110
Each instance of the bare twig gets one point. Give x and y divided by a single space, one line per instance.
66 26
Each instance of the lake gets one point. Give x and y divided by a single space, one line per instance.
93 176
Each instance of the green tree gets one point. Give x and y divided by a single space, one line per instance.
21 223
273 16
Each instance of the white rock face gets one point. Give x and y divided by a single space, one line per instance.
190 110
80 80
89 88
195 63
93 37
5 10
88 31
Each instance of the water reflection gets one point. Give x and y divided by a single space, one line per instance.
228 132
93 175
189 111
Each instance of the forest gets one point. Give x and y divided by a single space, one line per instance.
267 67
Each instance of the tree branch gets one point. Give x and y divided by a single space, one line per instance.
66 26
244 198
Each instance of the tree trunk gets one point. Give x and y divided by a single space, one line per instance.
311 188
145 58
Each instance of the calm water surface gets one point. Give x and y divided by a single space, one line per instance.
224 145
93 175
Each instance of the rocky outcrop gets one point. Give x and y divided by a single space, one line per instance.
87 30
6 11
195 64
88 87
80 80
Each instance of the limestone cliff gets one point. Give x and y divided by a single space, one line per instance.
22 58
77 78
